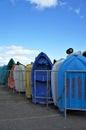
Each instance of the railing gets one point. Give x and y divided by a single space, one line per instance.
75 90
43 76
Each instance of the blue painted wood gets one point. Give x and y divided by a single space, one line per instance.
42 63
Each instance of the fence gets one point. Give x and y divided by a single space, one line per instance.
75 90
42 81
20 80
74 93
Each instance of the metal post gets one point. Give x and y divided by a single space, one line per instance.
65 96
19 82
47 88
35 85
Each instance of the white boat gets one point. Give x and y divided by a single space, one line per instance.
18 74
54 80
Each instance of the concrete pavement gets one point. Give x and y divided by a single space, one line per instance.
18 113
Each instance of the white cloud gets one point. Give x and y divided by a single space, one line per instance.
40 4
12 50
62 3
77 10
18 53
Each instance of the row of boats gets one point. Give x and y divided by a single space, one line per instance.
47 82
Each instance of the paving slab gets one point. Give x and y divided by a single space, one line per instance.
19 113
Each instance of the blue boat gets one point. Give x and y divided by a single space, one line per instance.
72 75
41 79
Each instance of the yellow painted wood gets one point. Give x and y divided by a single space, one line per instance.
27 80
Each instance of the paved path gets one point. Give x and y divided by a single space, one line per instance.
18 113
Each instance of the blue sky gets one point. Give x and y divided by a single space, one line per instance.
28 27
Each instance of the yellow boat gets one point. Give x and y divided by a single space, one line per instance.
27 80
